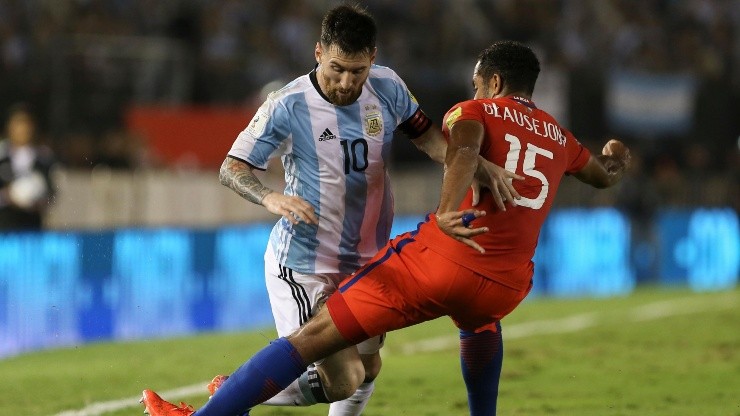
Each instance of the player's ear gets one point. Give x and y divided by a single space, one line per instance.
496 84
372 56
317 52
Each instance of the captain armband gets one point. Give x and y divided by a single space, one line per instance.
416 125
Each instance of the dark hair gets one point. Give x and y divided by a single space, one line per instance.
349 28
515 63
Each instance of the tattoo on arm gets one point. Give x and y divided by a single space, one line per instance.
238 176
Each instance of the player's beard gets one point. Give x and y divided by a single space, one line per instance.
343 99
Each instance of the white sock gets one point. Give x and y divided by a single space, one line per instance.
291 396
299 392
355 404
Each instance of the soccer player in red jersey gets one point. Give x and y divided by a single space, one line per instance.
473 264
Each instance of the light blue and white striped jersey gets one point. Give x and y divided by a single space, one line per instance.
335 157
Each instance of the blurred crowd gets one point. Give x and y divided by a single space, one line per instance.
65 58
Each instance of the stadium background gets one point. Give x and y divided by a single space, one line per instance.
140 101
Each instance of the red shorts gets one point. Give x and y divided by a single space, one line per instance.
406 283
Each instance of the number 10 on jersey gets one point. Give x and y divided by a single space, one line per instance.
355 155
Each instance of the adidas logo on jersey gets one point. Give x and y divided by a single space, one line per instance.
327 135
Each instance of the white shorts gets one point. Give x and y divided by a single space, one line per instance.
295 297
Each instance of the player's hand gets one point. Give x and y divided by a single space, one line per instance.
617 156
295 209
498 180
457 224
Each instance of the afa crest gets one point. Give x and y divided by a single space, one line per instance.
373 123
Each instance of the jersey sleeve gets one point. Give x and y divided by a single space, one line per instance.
399 98
466 110
578 155
264 137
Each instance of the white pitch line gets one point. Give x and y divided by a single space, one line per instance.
101 408
663 309
573 323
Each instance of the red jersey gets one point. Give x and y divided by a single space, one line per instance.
529 142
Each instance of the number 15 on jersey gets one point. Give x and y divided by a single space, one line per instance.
528 168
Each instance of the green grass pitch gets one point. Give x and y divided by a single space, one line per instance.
654 352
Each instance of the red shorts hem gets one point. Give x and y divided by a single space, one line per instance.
345 320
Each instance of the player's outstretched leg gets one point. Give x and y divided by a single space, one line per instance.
481 358
302 392
273 368
333 379
308 390
305 391
270 370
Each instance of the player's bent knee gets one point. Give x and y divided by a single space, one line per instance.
342 385
372 364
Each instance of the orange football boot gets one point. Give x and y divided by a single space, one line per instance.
157 406
216 383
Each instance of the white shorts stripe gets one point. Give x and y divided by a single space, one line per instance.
299 295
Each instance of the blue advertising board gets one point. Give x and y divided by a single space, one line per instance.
68 288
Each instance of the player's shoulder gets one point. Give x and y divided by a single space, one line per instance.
380 71
466 106
461 110
387 84
297 86
384 78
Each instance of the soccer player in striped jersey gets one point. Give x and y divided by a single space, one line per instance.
472 263
332 129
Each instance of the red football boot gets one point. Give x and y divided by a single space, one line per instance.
157 406
216 383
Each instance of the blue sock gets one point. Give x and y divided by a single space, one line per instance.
481 357
267 373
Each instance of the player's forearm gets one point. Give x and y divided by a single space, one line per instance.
238 176
433 144
602 171
460 166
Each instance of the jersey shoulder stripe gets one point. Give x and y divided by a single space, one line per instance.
297 86
393 92
379 71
